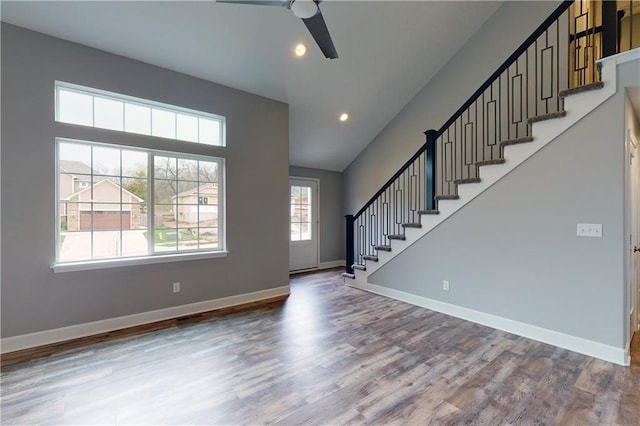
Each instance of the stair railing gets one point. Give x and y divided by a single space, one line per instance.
559 54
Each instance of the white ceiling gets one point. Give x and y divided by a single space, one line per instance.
388 51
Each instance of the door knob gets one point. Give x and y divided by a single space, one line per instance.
636 248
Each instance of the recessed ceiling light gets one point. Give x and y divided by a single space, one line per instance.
344 116
300 49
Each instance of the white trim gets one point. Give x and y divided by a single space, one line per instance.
317 210
332 264
132 261
321 266
552 337
40 338
621 58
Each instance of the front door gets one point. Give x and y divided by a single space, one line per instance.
303 224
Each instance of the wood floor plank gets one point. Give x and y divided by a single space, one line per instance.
329 354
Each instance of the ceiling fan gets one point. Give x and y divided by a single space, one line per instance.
309 12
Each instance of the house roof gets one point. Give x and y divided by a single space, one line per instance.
195 190
388 51
101 183
76 168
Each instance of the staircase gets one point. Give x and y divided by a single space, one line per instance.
523 106
578 102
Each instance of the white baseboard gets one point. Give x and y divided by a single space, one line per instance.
332 264
576 344
40 338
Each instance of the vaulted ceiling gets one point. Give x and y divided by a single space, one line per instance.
388 50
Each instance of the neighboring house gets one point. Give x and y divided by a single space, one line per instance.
100 206
198 205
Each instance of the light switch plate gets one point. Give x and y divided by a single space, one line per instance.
589 230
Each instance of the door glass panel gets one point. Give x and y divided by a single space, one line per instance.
300 213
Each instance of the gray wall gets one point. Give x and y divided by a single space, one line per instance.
513 251
332 239
512 23
33 297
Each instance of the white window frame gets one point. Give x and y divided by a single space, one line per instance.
130 100
152 256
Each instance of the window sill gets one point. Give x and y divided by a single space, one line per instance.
133 261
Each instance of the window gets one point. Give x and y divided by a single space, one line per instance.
85 106
136 202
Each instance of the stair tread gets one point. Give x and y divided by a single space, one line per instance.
585 88
348 275
428 211
371 258
490 162
382 248
412 225
358 266
447 197
466 180
551 115
396 237
515 141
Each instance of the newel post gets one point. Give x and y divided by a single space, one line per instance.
609 28
349 255
430 168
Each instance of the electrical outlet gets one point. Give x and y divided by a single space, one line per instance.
589 230
176 287
445 285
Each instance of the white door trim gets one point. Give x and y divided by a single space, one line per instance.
317 221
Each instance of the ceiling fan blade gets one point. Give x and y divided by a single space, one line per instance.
318 29
283 3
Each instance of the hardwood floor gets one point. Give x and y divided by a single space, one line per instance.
329 354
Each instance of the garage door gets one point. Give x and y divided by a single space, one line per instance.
105 220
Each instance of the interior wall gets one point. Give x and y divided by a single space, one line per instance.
332 240
34 298
513 251
512 23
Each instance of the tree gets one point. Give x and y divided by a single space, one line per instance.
138 185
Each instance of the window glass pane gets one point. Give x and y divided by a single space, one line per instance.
305 214
187 128
187 215
209 131
134 163
166 167
208 171
164 123
137 119
109 114
305 195
75 108
295 231
104 189
74 158
106 244
106 161
132 188
165 237
97 108
187 169
208 238
305 231
187 238
102 207
165 191
134 242
207 215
